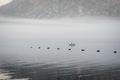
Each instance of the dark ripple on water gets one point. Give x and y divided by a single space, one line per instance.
42 71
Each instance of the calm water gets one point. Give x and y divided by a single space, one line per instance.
41 71
21 56
30 65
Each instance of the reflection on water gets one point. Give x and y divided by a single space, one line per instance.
41 71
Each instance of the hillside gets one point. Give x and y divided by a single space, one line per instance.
60 8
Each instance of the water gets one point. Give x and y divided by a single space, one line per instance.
41 71
95 55
36 65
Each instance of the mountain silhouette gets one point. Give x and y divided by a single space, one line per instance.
60 8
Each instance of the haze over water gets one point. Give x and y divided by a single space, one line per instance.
21 56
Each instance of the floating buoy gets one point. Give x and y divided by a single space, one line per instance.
38 47
98 51
115 51
48 48
82 49
58 48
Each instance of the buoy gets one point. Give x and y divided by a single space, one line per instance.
98 51
58 48
38 47
48 48
82 49
115 51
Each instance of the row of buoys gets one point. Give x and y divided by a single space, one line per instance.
71 49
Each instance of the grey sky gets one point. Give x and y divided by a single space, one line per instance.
60 8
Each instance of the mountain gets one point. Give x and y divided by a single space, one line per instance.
60 8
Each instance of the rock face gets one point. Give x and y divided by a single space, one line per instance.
60 8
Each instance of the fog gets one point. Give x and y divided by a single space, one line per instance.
18 35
